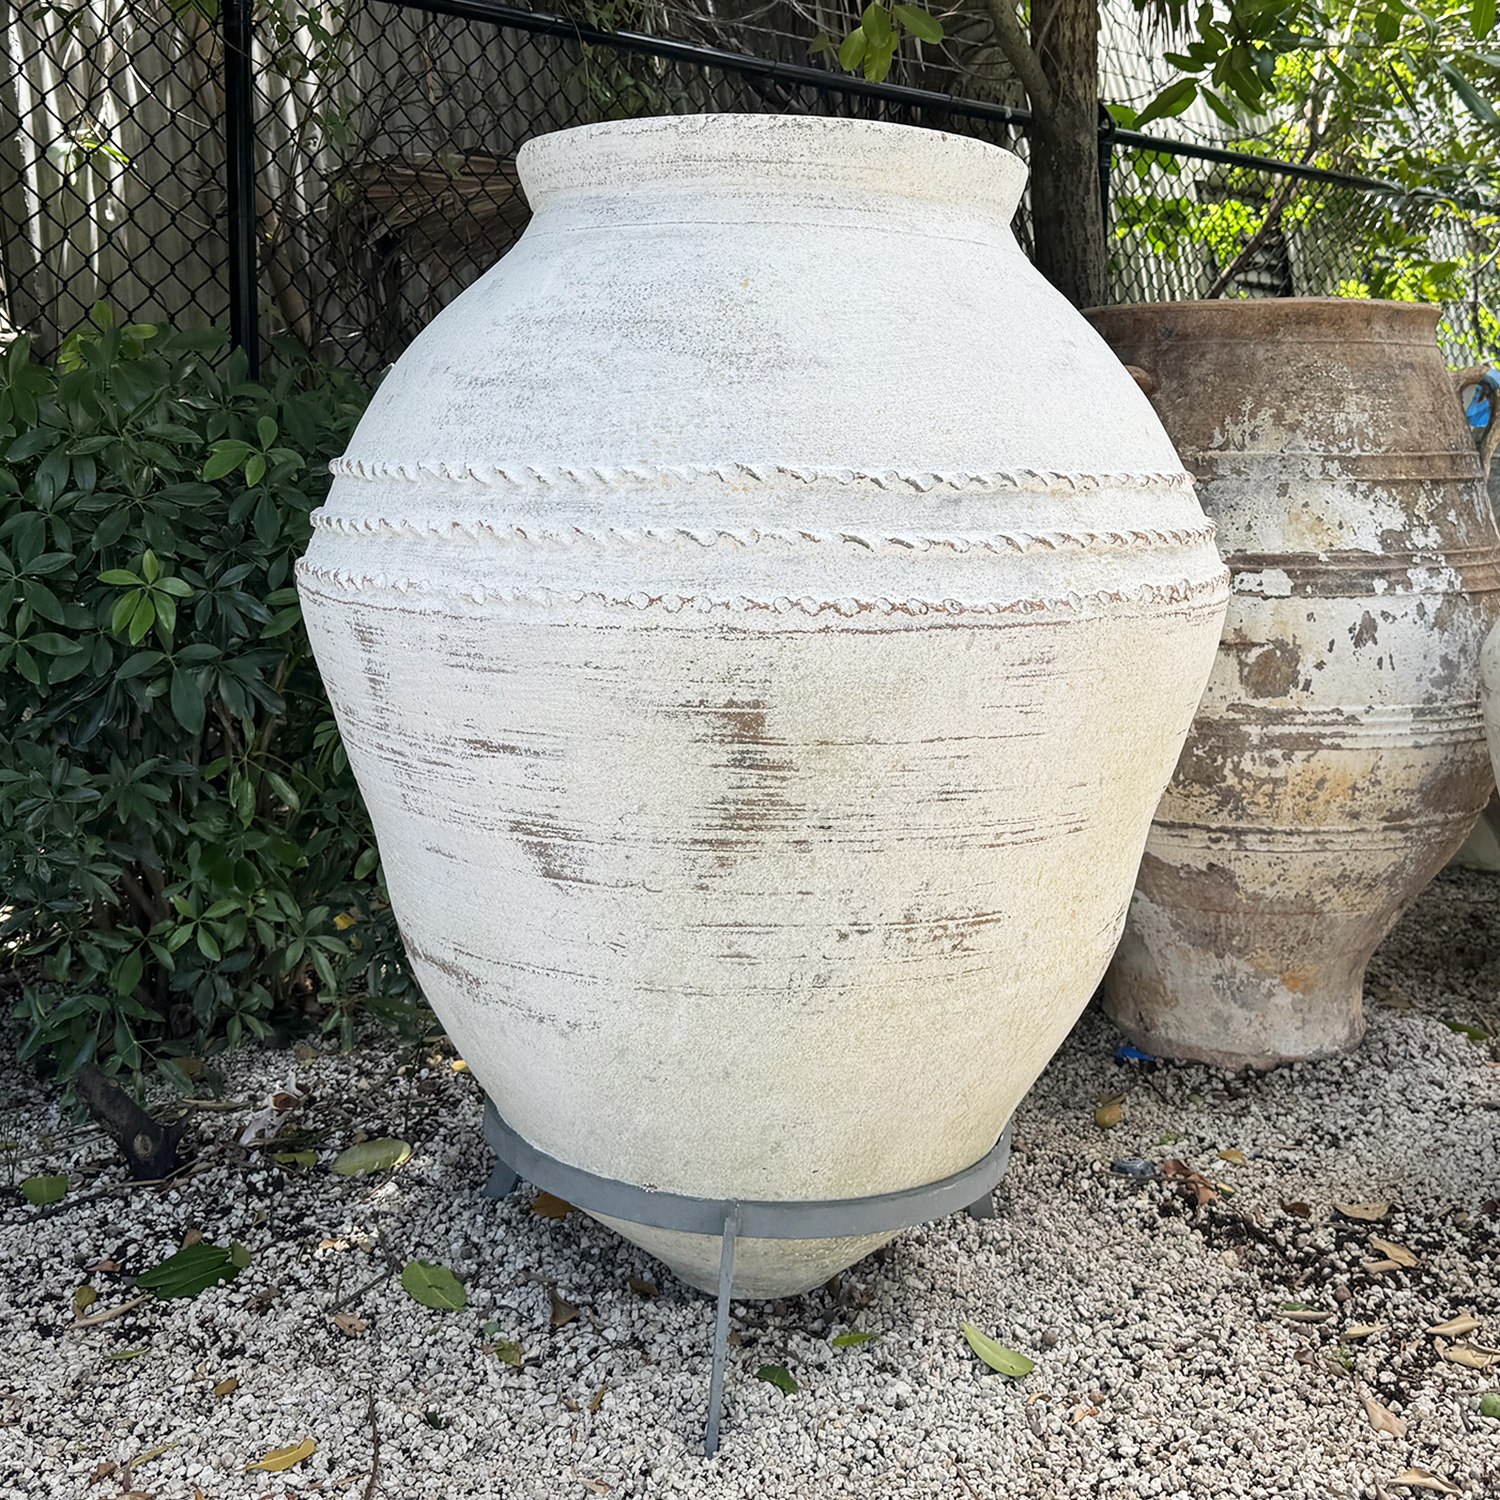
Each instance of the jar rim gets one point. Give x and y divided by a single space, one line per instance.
773 152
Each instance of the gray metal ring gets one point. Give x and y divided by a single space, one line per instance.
827 1219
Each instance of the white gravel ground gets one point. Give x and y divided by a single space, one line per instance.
1165 1363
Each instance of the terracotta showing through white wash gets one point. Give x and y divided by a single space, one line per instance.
762 617
1338 758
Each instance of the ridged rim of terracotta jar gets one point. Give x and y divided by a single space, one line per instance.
1295 316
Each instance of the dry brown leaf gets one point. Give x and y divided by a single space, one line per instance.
192 1237
644 1288
1424 1479
1234 1155
1306 1315
1471 1356
1364 1331
1456 1327
550 1206
1398 1253
1382 1419
1297 1210
350 1323
563 1311
1380 1267
596 1486
1367 1213
283 1458
227 1387
109 1314
598 1400
1190 1183
108 1266
103 1471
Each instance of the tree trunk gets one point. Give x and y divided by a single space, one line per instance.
1066 214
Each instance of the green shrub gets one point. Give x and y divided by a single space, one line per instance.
183 850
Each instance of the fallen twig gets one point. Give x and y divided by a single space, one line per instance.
369 1286
374 1449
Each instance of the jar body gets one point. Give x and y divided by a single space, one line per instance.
736 683
1336 760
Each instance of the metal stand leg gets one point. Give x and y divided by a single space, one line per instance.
984 1208
502 1182
721 1333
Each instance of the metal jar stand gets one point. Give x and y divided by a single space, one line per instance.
731 1219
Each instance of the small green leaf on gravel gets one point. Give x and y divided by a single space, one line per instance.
302 1159
118 1354
1489 1404
239 1254
854 1337
996 1355
192 1269
433 1286
1110 1112
83 1299
1468 1029
780 1377
40 1191
371 1156
507 1351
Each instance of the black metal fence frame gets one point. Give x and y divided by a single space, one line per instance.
239 84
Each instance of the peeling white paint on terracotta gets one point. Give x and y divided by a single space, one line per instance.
758 829
1336 760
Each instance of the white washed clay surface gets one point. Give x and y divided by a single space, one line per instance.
1337 760
762 617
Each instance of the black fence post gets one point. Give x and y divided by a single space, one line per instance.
239 163
1106 161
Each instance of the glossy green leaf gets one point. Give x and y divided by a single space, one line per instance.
1489 1404
996 1355
876 25
852 52
44 1190
433 1286
371 1156
191 1270
1172 100
187 701
1482 18
1473 100
922 24
780 1377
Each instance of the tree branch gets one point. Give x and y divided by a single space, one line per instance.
1020 54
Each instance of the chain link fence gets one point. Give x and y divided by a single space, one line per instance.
380 148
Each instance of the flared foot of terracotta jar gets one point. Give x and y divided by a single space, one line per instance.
1201 1005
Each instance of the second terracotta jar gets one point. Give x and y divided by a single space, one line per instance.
1338 757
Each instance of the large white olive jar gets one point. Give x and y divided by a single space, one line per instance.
762 617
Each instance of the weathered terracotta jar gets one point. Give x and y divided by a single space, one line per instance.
1337 759
762 617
